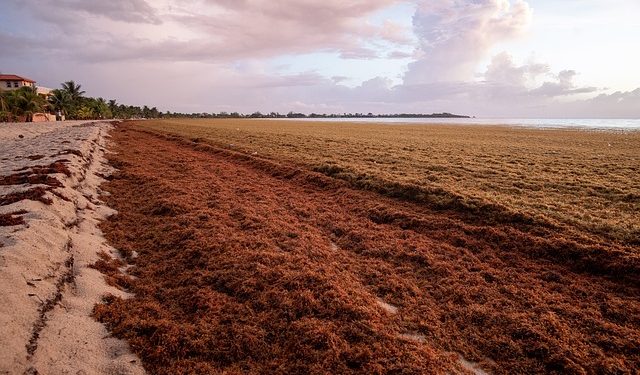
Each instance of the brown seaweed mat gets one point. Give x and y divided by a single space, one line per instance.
246 265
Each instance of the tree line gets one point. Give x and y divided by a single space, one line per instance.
312 115
68 101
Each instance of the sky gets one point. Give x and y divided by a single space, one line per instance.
484 58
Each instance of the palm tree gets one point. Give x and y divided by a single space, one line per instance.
76 94
85 113
100 108
113 107
60 101
74 90
5 114
27 102
3 102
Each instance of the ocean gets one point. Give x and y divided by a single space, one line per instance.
604 124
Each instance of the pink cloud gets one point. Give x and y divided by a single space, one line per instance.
454 35
61 11
210 30
395 33
260 28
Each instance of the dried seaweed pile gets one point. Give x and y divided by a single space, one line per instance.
246 265
573 178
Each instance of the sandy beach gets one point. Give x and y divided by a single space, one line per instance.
50 176
319 187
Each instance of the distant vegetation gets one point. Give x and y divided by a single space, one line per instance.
68 101
312 115
24 103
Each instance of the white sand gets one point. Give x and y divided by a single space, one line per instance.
45 261
470 366
387 307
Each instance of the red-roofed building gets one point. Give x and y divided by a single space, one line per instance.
10 82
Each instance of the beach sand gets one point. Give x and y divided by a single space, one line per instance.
49 290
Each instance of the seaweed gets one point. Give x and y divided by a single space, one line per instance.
250 265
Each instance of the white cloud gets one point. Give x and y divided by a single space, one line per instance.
454 35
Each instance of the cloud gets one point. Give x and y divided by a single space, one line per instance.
620 104
454 35
289 27
564 86
362 53
338 79
399 55
504 79
209 30
20 45
302 79
503 89
395 33
58 11
207 55
134 11
502 70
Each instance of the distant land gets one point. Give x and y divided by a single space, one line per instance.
315 115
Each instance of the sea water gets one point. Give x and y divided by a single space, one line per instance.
610 124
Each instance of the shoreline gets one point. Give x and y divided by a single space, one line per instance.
631 125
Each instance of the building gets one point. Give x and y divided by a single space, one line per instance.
9 82
44 91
